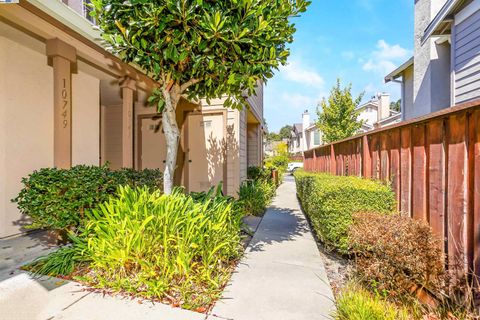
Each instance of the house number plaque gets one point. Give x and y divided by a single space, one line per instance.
64 110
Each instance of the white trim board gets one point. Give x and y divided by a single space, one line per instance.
467 12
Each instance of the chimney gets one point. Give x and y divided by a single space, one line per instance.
383 106
306 124
305 119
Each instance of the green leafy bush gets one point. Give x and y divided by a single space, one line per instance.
396 254
57 198
356 303
258 173
256 195
330 201
169 248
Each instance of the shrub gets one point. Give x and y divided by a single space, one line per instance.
259 173
330 201
396 254
57 198
278 163
169 248
356 303
256 195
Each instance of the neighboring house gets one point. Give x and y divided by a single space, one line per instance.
304 136
272 146
65 100
376 113
444 70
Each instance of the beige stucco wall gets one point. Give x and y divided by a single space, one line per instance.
254 148
233 161
243 145
408 112
86 119
26 123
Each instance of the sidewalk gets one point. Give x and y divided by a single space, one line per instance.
282 275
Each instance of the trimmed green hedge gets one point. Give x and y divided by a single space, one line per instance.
330 201
56 199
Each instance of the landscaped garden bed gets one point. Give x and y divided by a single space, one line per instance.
126 237
397 265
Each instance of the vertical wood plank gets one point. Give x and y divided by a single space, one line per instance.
333 162
419 193
456 188
436 176
474 188
394 143
366 158
405 170
374 144
384 158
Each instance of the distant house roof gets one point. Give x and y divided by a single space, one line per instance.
311 127
297 129
373 103
397 72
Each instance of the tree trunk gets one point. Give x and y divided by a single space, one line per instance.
172 135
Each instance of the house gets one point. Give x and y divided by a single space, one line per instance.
376 113
444 69
304 136
65 100
271 147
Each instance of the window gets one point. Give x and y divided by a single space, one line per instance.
86 11
316 138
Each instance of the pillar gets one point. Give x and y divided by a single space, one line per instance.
62 58
128 95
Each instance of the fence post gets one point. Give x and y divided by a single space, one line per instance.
333 161
366 158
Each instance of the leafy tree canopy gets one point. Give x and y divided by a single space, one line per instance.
285 132
199 49
212 48
396 106
337 116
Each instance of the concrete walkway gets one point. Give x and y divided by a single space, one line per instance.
282 275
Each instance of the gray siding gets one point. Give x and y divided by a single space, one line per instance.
467 59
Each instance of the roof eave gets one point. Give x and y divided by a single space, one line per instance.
397 72
442 16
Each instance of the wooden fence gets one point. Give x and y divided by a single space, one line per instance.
433 165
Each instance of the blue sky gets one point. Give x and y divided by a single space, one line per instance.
359 41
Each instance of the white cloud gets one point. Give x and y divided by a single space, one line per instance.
298 101
387 51
385 58
348 55
366 4
296 72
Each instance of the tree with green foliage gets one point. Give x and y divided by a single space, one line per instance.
285 132
337 116
199 49
396 106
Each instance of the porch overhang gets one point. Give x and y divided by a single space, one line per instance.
442 23
392 76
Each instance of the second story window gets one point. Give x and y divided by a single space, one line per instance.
316 138
87 8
